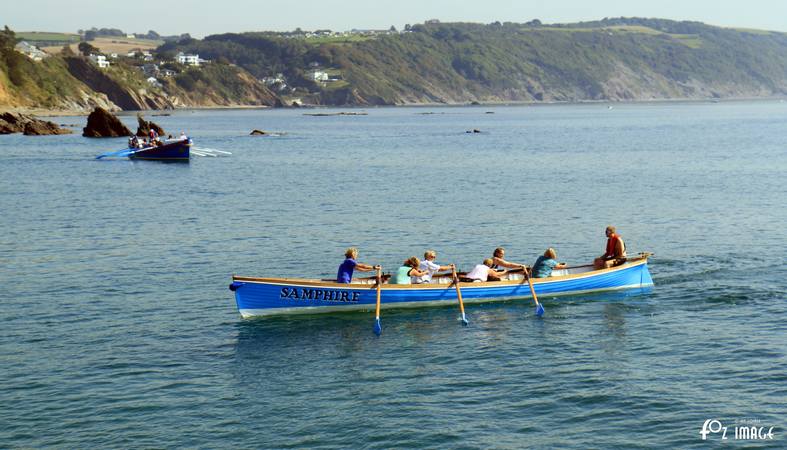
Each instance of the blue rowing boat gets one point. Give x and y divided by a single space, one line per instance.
275 296
168 151
177 150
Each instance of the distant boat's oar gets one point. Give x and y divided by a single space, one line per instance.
203 149
539 308
124 152
458 294
378 328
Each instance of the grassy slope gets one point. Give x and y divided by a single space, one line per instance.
44 84
569 64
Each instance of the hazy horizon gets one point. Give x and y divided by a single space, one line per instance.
168 17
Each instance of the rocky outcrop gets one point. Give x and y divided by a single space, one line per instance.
29 125
42 128
144 127
101 123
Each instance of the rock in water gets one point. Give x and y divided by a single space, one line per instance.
29 125
41 128
13 123
144 127
101 123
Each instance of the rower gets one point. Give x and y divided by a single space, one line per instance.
498 261
345 273
615 253
484 272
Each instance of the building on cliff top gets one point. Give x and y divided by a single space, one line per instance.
100 61
31 51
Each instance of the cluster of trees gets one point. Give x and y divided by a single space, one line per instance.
12 62
262 54
94 32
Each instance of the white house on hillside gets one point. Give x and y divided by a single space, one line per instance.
31 51
319 75
188 59
100 61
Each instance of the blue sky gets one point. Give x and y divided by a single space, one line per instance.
202 17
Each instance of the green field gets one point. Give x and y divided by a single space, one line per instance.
37 36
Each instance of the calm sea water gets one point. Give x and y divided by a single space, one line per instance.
118 330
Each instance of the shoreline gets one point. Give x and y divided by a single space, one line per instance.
41 112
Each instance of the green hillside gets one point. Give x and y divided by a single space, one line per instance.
611 59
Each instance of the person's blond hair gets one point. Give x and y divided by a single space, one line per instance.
611 229
412 262
488 262
430 253
550 253
351 252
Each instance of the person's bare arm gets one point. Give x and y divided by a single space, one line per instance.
511 265
361 267
418 273
496 273
620 249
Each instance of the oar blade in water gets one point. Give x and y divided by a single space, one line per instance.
378 328
124 152
539 310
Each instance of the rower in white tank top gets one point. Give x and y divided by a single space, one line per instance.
479 273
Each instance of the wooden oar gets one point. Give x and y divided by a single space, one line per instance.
539 308
378 328
458 294
211 150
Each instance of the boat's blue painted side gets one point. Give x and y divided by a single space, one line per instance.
268 296
173 151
